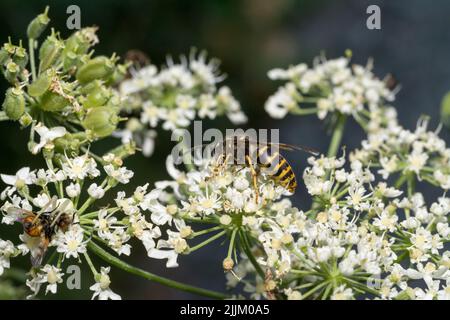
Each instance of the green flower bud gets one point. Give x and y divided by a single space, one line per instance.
50 51
98 68
70 60
4 56
14 104
124 150
119 74
51 101
25 120
11 71
445 110
70 142
80 41
42 83
96 94
101 121
20 57
38 25
17 54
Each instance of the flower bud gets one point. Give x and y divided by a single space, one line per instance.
80 41
96 94
445 110
118 75
101 121
4 55
67 143
228 264
50 51
25 120
38 25
51 101
14 104
71 60
98 68
41 85
11 71
20 57
124 150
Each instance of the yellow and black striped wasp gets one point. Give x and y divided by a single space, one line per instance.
259 157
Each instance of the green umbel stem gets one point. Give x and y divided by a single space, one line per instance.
337 136
150 276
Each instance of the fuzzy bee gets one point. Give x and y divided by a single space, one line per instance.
44 225
259 158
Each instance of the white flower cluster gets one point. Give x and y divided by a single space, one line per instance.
71 191
358 240
420 154
331 85
225 199
176 95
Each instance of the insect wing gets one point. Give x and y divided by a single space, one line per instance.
37 257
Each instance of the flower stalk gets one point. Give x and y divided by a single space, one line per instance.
104 255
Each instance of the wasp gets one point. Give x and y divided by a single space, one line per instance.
259 157
44 225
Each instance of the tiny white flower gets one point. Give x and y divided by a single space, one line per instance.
95 191
47 136
101 288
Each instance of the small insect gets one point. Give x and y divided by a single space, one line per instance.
260 158
44 224
391 82
137 58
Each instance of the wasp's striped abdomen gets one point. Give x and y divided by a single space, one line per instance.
275 165
260 157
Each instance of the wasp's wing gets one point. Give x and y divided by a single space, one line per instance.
19 211
51 205
290 147
36 259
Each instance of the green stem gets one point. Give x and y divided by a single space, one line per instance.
316 288
207 241
230 248
150 276
400 181
410 185
337 136
248 252
304 112
91 265
32 61
205 231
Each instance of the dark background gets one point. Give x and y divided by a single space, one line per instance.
249 37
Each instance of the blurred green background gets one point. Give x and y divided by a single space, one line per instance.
249 37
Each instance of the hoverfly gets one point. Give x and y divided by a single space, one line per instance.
258 157
44 224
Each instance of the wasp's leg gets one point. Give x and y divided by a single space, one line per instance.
254 177
221 164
